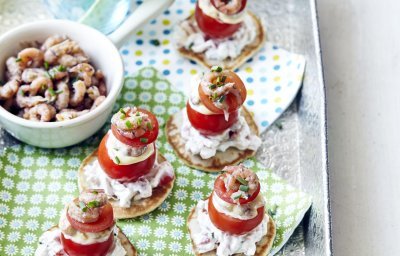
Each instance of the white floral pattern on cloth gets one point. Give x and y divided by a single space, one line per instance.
36 183
273 76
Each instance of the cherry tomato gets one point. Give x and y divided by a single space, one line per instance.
165 180
212 27
105 221
130 172
147 138
96 249
210 124
232 225
220 190
234 100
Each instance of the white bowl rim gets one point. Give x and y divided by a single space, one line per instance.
113 93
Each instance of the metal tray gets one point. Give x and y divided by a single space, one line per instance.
295 146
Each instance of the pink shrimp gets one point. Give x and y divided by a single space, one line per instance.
240 172
86 208
228 7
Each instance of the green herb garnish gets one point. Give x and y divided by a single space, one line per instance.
122 111
144 140
139 121
155 42
122 116
149 126
242 181
223 78
212 86
18 59
83 207
61 68
117 160
221 99
244 188
272 212
138 113
216 69
95 192
237 196
191 45
51 91
128 124
46 65
59 91
93 204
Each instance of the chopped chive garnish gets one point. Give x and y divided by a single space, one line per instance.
93 204
122 116
18 59
95 192
52 92
237 196
191 45
214 96
144 140
122 111
46 65
128 124
149 126
139 121
242 181
61 68
212 86
59 91
138 113
221 99
244 188
82 206
216 69
117 160
223 78
155 42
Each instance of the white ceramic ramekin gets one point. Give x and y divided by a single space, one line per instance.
102 53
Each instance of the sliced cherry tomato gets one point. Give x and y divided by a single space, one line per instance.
220 190
210 124
96 249
130 172
243 5
147 138
105 221
234 100
213 28
165 180
232 225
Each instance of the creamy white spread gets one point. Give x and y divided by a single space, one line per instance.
50 245
127 192
211 11
189 36
243 212
238 135
82 237
124 153
194 98
207 237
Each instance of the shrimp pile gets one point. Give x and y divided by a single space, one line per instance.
53 82
240 179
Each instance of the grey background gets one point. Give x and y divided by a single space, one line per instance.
361 50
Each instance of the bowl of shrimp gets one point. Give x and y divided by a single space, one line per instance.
60 80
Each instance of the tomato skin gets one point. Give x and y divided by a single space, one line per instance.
212 27
232 225
105 221
130 172
234 101
210 124
96 249
220 190
151 135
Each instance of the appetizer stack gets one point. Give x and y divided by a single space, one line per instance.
220 33
232 220
127 165
214 130
86 228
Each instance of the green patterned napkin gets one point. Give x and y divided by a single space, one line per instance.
36 183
